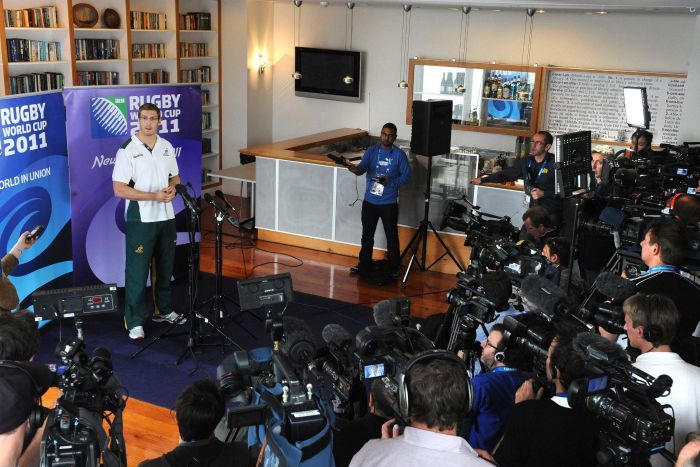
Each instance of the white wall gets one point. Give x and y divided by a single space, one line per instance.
260 39
637 42
690 125
233 86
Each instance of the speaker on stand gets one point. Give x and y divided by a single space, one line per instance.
431 134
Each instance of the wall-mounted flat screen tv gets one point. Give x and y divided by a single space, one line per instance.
324 72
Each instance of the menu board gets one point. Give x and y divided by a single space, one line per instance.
593 100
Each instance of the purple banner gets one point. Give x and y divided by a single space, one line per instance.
98 121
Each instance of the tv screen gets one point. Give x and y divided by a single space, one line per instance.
323 73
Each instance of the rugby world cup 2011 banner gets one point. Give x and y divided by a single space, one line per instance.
34 190
98 121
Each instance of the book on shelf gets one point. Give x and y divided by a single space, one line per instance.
97 78
195 21
147 20
205 96
206 145
151 77
156 50
197 75
206 120
27 50
40 17
36 82
96 49
194 49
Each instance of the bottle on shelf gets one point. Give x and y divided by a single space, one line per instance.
494 85
514 87
499 90
474 118
506 90
450 84
487 87
443 84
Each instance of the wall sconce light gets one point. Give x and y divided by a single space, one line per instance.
262 64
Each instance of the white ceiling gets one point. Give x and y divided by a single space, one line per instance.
611 6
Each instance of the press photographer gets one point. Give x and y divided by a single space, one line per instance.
433 412
651 322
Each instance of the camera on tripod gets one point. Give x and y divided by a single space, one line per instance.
74 434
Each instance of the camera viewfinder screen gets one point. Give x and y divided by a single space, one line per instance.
375 370
597 384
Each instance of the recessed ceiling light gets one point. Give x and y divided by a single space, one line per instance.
496 10
541 10
601 12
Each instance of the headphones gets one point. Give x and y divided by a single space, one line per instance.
500 355
423 357
652 332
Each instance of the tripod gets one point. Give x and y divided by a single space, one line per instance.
420 238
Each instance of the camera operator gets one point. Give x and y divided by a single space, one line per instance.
600 181
494 390
688 457
352 435
562 435
19 336
640 143
438 398
537 226
198 410
651 322
537 171
8 294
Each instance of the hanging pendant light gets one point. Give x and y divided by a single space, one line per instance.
523 93
463 42
348 79
297 32
405 43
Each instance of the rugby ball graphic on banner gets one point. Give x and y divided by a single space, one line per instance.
108 117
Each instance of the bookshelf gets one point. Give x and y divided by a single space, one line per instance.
184 38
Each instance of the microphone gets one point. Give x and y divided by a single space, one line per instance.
220 194
615 287
209 199
392 312
298 343
542 295
336 335
591 347
187 199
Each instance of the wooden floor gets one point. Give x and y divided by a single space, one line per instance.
151 430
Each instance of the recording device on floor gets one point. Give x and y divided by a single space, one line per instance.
35 233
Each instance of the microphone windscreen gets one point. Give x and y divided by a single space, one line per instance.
335 334
615 287
219 194
298 343
384 313
541 293
208 198
181 189
585 342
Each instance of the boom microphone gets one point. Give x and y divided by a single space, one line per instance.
615 287
298 343
542 294
590 346
220 194
187 199
393 311
336 335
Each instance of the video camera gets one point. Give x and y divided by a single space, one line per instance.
634 424
89 390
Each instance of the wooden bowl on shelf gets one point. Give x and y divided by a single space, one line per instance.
111 19
84 15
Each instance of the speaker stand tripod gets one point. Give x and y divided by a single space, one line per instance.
420 238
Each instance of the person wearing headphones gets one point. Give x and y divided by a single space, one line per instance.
651 322
494 390
561 435
436 391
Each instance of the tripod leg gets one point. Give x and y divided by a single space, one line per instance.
447 250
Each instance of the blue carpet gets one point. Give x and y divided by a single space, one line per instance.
153 376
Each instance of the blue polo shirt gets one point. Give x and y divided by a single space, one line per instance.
494 399
377 162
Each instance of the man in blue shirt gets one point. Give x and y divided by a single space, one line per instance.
494 391
386 168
